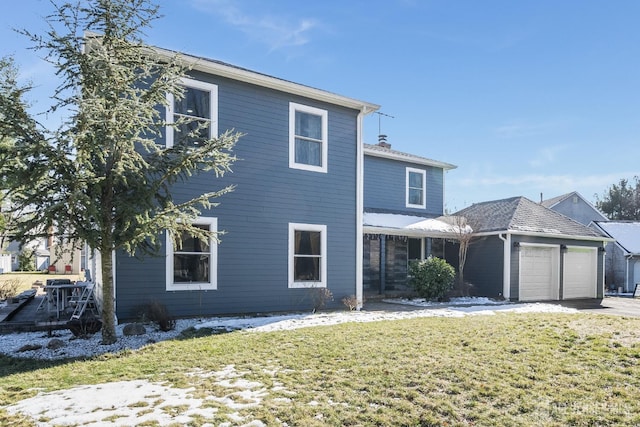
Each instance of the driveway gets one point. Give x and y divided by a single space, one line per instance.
617 306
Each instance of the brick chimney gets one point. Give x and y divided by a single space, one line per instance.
382 142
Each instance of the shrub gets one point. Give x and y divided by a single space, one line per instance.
320 297
351 302
8 288
158 313
84 327
431 278
26 261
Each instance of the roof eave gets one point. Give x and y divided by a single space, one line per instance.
370 229
417 160
222 70
547 235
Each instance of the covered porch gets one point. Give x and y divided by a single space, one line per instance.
391 241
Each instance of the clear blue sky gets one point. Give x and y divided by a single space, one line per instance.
525 97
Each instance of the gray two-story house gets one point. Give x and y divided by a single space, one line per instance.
403 199
294 220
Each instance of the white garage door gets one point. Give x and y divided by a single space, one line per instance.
539 273
579 273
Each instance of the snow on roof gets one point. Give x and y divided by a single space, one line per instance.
409 225
626 233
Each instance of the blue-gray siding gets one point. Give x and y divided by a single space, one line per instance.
252 257
578 210
385 185
483 267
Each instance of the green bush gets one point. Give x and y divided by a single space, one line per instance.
26 261
432 277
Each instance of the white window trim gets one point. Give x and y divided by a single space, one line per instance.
293 107
323 259
213 103
424 188
213 260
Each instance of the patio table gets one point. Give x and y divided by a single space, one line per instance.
58 295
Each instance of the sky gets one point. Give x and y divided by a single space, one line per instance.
526 98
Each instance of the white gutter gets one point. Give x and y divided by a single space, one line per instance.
506 265
404 157
547 235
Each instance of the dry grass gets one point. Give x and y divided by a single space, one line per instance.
504 370
27 279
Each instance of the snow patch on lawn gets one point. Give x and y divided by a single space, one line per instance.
127 403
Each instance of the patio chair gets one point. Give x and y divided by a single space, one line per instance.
84 302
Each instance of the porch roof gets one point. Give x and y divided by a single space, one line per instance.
411 226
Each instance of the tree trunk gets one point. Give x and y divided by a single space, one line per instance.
462 259
108 311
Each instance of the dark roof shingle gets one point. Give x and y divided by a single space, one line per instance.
519 214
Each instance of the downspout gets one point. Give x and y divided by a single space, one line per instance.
506 265
359 208
626 273
115 289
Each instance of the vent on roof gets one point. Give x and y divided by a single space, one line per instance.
382 141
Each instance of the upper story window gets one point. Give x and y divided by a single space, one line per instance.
198 110
193 265
307 138
307 255
416 188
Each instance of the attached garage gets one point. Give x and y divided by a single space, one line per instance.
579 272
539 273
523 251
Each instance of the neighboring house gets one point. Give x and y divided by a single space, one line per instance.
575 207
403 197
38 249
47 255
294 220
623 255
524 251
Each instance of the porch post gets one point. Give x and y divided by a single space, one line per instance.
383 262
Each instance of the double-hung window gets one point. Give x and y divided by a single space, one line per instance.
307 255
193 264
416 185
307 138
193 118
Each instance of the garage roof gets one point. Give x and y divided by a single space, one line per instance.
520 215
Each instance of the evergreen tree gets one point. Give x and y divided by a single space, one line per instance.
621 201
102 178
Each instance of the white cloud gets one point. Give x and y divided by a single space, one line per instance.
477 188
275 31
547 155
522 128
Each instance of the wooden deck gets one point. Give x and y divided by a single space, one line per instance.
24 316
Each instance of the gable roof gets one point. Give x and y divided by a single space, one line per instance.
550 203
387 153
519 215
626 233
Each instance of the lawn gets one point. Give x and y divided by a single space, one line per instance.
505 369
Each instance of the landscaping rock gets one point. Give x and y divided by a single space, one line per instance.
29 347
55 344
134 329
